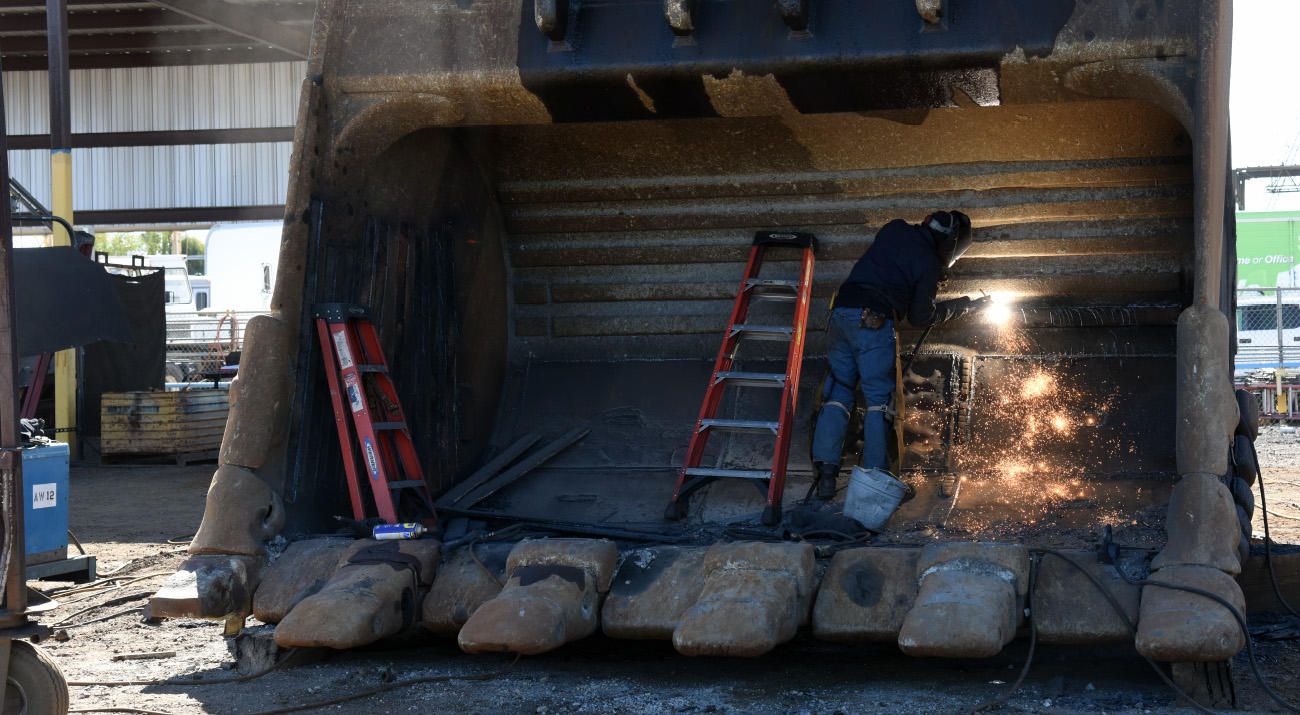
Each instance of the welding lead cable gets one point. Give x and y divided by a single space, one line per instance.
1123 617
1268 539
389 686
1241 621
1033 643
191 681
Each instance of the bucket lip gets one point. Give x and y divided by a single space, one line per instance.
887 473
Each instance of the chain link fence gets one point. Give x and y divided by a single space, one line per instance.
199 345
1268 348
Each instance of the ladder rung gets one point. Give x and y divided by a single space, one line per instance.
372 368
389 425
763 332
751 282
740 425
775 297
751 379
736 473
409 484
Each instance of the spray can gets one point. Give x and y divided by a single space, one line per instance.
400 531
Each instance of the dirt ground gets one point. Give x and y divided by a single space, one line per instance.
125 516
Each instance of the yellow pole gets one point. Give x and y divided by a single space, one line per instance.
65 361
1280 400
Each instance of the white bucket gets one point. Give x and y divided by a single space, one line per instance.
872 497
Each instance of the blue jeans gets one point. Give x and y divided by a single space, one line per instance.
856 353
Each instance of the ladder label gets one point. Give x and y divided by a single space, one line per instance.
371 463
345 355
354 393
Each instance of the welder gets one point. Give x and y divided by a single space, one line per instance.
898 277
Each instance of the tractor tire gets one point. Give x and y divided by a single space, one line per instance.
35 684
173 373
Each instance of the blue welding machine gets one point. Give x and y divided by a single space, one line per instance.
45 502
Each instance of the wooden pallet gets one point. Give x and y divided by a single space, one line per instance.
184 426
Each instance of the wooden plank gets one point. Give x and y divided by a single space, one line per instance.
531 462
1258 587
489 470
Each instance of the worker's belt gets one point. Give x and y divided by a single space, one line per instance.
871 320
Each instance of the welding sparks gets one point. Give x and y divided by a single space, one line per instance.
1038 385
1000 312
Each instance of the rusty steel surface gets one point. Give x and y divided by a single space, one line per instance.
513 184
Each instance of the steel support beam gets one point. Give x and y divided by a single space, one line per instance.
65 361
157 59
125 20
128 42
1258 172
257 135
181 216
13 587
242 22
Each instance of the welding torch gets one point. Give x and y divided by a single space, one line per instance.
984 297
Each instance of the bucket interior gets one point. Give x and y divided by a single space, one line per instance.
534 279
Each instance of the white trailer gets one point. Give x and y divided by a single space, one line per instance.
240 261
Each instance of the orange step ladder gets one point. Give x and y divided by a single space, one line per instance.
355 367
770 481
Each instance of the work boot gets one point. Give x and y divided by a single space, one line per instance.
827 474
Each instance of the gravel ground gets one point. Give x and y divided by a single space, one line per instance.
597 675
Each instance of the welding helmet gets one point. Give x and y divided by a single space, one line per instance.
952 236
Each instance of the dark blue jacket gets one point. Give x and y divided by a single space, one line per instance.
899 276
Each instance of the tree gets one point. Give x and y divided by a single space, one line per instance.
140 242
192 246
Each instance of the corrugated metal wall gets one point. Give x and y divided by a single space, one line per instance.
163 99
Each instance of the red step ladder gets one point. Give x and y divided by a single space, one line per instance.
770 481
355 367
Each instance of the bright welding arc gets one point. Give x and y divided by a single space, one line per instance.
999 313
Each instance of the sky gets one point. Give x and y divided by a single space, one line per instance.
1264 103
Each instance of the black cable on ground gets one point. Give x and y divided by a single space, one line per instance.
306 706
140 711
386 688
73 538
109 617
859 536
190 681
1033 643
117 601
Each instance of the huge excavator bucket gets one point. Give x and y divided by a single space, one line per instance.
547 205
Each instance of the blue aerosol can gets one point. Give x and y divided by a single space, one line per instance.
400 531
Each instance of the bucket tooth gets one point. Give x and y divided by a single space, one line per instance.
373 594
652 591
301 571
865 595
968 603
1068 608
214 586
463 585
552 596
755 596
1178 626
